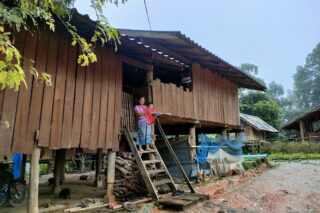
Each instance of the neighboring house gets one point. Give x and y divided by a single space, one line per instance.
255 129
307 125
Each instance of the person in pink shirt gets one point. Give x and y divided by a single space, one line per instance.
143 129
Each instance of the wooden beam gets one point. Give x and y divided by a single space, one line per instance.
136 63
165 50
165 60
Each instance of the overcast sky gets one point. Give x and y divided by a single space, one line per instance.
275 35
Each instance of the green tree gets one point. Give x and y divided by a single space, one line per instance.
22 14
252 70
249 99
261 105
275 91
269 111
307 82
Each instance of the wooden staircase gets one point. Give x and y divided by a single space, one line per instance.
157 177
152 168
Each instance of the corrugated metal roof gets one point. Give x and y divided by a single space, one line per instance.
294 124
172 48
186 50
257 123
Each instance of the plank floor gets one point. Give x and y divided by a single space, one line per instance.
181 202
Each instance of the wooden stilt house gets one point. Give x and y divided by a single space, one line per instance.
87 107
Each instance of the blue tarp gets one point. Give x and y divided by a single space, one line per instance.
213 144
17 163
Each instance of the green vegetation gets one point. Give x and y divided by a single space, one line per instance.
290 147
44 169
17 15
294 156
256 163
277 107
291 150
261 105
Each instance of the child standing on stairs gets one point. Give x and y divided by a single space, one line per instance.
151 114
143 129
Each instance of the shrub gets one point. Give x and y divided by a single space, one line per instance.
43 169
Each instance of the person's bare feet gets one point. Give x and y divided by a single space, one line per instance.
148 148
141 150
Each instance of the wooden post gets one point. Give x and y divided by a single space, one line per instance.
34 181
192 142
193 152
109 197
301 125
58 167
50 166
62 167
150 96
23 167
149 83
97 180
81 163
224 133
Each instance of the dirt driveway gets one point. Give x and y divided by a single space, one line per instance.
291 187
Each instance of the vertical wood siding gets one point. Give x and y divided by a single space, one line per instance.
81 109
213 98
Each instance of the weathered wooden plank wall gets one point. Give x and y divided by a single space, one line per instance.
213 98
81 109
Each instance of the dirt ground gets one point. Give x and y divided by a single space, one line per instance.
80 189
291 187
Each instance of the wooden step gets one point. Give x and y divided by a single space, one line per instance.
151 161
150 172
161 182
146 152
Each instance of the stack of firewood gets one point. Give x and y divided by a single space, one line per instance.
128 181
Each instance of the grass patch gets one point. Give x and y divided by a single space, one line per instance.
290 147
256 163
294 156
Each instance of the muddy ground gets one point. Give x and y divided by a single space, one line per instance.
291 187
